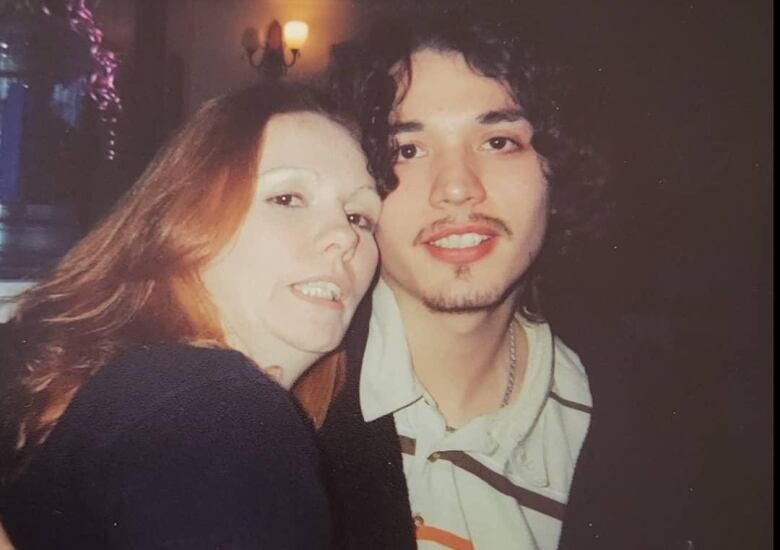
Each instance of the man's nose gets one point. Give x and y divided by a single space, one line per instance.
456 181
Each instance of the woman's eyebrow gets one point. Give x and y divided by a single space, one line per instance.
281 172
370 189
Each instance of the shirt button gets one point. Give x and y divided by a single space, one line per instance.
418 520
434 457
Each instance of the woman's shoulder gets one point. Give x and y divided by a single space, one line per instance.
154 382
161 368
180 445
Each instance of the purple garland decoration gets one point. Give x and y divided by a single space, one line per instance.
101 86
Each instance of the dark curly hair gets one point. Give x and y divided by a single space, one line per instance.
365 76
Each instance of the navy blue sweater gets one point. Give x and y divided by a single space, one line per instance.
174 447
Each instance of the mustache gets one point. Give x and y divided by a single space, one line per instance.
497 224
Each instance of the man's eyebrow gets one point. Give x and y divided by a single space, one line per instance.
491 117
504 115
403 126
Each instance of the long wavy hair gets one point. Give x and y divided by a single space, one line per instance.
371 76
134 279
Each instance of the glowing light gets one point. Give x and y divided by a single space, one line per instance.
295 34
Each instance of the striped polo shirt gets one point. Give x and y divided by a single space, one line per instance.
502 480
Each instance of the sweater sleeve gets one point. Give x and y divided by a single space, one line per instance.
229 464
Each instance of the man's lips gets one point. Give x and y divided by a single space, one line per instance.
461 244
472 228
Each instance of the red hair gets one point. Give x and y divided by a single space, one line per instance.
134 279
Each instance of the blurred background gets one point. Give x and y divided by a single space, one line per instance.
671 311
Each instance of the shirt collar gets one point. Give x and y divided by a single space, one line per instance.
388 384
387 381
516 421
518 429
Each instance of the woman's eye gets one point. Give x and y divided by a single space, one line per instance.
500 143
361 222
287 199
409 151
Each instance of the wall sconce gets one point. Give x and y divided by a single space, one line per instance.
272 64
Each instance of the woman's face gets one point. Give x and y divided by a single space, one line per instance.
292 276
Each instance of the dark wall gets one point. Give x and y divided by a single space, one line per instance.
680 96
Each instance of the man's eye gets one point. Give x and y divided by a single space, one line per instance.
361 222
500 144
408 151
287 199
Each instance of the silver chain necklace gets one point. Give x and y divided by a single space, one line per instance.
510 383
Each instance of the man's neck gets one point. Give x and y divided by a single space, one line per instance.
462 359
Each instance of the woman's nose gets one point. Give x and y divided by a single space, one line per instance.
339 237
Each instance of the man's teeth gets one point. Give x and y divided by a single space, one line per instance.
463 240
320 289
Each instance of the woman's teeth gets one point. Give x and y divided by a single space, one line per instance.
320 289
463 240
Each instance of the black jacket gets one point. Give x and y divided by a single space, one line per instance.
370 501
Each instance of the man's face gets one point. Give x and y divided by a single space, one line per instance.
469 214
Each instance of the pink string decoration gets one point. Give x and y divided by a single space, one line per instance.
101 85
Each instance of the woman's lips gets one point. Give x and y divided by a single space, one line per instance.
321 291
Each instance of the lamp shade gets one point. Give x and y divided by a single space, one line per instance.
295 34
